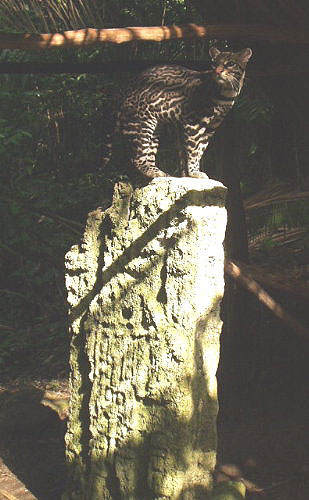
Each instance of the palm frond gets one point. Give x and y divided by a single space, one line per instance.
253 106
35 16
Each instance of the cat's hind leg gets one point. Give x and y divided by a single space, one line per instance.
181 153
144 149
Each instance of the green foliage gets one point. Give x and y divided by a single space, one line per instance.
254 106
33 16
51 133
281 215
279 234
58 15
52 129
49 142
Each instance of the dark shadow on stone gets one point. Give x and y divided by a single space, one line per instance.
194 493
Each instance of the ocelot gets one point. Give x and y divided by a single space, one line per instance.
196 102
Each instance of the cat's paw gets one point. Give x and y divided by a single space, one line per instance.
155 173
162 174
198 175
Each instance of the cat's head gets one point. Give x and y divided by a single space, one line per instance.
229 67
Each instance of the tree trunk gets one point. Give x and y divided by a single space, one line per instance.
144 290
234 340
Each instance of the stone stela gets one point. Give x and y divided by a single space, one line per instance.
144 289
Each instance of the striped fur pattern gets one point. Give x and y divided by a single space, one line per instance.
194 101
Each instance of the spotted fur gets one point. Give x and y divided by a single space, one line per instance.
195 101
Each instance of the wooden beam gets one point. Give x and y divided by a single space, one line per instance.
241 276
277 282
92 36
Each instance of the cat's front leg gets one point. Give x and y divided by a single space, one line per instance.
194 156
195 144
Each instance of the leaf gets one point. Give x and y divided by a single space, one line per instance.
252 150
15 207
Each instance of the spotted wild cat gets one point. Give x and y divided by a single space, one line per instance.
195 101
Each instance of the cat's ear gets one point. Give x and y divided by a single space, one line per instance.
213 52
245 55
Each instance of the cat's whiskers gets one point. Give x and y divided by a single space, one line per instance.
234 83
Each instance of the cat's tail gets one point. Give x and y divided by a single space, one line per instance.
107 151
107 148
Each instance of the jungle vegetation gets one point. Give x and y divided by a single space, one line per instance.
52 129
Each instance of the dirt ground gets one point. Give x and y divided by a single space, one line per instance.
263 425
268 445
32 462
265 441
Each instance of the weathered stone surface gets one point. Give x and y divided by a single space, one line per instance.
144 291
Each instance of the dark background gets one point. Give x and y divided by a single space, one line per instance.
52 131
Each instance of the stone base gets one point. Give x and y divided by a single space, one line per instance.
144 291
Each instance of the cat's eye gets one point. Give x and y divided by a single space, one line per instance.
230 64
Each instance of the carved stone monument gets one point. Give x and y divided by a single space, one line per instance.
144 290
